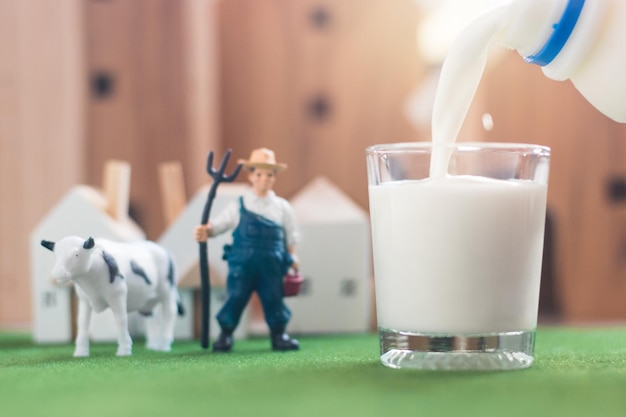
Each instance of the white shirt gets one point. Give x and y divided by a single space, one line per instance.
271 207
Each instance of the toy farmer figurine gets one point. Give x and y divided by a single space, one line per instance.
262 252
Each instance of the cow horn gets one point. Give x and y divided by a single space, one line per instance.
47 244
89 243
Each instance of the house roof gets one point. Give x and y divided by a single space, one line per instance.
178 238
321 201
82 212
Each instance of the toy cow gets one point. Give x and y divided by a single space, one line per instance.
125 277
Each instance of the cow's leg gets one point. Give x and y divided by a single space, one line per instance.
168 318
124 342
153 330
82 333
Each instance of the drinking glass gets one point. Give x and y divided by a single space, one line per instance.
457 256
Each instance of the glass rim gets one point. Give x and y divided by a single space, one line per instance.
427 146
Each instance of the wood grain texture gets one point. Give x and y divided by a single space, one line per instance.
588 149
172 190
116 187
317 95
85 82
159 106
41 131
317 81
200 46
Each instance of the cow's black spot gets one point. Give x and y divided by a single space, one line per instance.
114 270
138 270
170 272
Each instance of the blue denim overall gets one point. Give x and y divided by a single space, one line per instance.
257 261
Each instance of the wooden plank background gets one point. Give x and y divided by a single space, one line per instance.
588 155
83 82
147 82
146 93
318 81
42 110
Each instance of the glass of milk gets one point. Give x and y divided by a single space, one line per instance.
457 256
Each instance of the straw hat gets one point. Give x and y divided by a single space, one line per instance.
263 158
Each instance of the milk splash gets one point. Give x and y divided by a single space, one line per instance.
458 82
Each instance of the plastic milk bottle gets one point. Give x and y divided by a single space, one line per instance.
580 40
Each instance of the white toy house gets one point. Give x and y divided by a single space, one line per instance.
334 257
84 211
178 239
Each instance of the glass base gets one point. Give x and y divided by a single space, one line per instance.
493 351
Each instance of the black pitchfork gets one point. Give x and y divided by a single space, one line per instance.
205 284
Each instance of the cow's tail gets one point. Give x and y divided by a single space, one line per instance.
171 278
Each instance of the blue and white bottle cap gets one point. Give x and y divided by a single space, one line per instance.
562 31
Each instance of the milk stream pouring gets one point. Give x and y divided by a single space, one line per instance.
579 40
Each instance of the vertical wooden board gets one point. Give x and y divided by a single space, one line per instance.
165 128
151 64
172 190
116 185
587 273
602 225
615 196
583 221
586 279
201 88
278 66
616 201
370 69
112 117
254 82
11 219
114 107
42 130
554 124
144 119
51 100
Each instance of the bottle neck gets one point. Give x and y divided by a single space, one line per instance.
560 34
556 34
530 24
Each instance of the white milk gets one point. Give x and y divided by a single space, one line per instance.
459 79
458 255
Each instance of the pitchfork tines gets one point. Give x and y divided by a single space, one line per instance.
218 177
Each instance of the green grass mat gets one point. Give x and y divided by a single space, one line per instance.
577 372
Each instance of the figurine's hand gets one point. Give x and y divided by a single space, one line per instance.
202 232
296 262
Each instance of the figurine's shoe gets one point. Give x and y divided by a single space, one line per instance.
224 343
282 341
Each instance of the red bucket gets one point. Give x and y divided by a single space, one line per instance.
292 284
